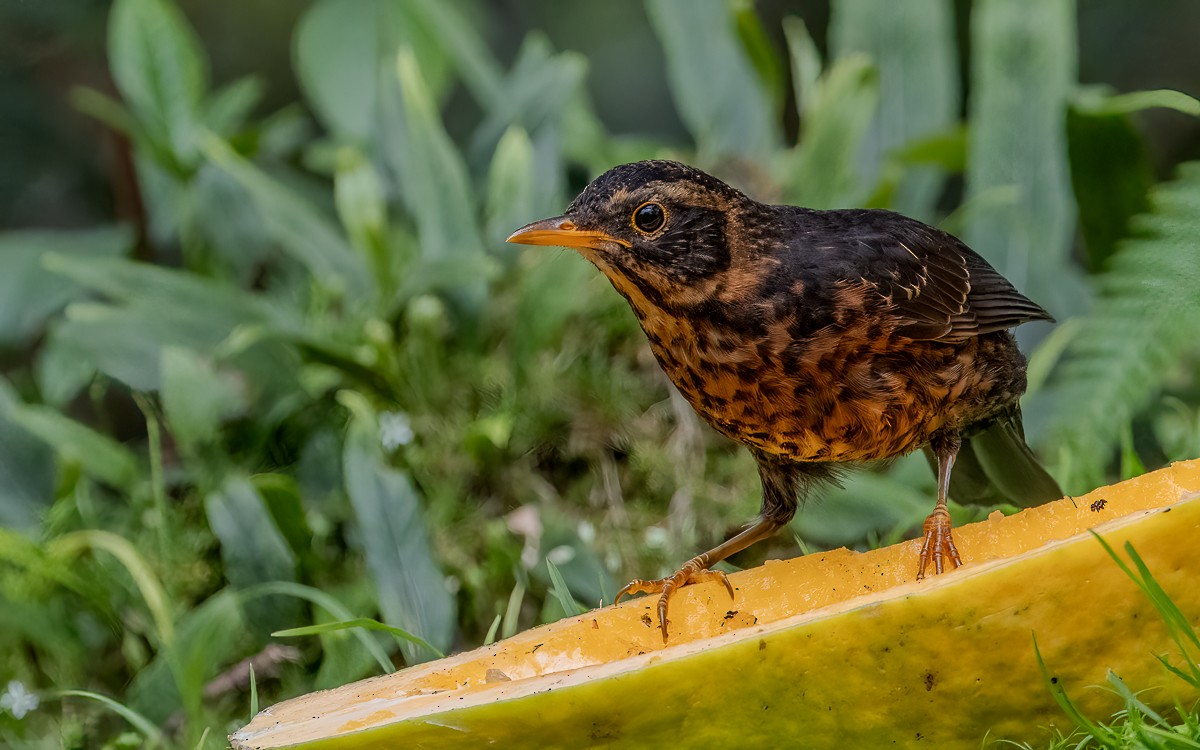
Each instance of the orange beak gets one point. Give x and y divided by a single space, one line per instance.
562 232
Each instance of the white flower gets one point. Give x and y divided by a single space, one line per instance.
395 430
17 700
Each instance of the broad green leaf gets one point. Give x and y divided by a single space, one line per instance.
433 178
338 48
716 89
160 69
821 171
912 45
300 227
1022 73
252 549
196 397
467 50
223 219
391 526
336 56
27 470
96 454
29 293
1111 175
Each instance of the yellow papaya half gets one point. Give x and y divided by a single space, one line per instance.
839 649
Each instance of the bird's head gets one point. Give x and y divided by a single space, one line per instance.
657 229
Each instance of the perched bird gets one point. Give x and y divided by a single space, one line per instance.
816 338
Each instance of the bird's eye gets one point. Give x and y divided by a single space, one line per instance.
648 218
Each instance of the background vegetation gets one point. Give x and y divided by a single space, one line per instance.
266 362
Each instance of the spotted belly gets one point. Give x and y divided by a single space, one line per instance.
848 402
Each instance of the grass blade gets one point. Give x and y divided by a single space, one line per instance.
365 623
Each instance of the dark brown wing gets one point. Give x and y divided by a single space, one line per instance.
936 287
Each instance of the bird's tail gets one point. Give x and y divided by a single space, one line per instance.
996 465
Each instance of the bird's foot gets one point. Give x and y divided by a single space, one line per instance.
693 571
938 544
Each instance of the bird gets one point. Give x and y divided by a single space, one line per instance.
819 339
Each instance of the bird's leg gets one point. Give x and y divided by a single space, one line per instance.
780 482
696 570
938 544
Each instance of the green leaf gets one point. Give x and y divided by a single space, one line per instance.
433 178
300 227
336 56
719 96
387 510
160 69
1099 102
806 63
196 397
1111 175
327 602
558 587
820 172
228 108
98 455
912 45
29 293
1138 331
1023 72
27 470
365 623
69 546
152 734
252 548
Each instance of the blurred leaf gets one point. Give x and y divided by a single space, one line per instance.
912 45
299 227
196 397
150 732
157 307
820 172
252 549
761 52
1139 329
27 471
206 639
29 293
433 179
358 195
391 524
281 495
223 219
70 545
538 89
806 63
1111 175
98 455
227 109
946 150
339 45
715 87
1023 71
337 54
1097 101
480 72
160 69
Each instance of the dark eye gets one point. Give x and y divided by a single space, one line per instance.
648 218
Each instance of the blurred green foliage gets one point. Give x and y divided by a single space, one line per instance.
305 382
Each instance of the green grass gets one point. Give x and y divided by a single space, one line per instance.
314 392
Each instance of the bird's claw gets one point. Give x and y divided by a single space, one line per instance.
938 544
666 587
